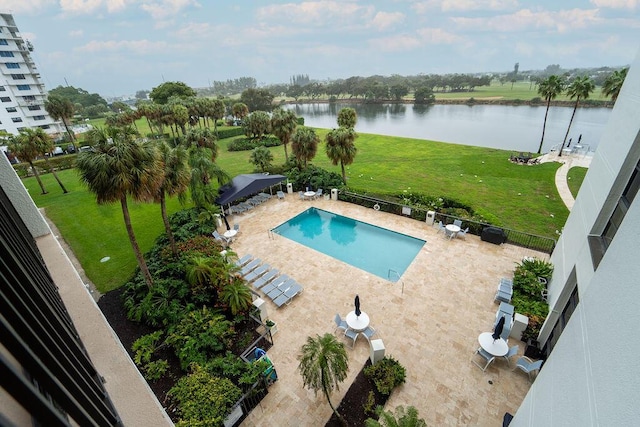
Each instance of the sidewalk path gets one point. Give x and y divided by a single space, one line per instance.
568 161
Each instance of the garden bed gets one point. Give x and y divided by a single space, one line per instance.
352 405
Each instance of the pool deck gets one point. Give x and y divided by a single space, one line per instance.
429 321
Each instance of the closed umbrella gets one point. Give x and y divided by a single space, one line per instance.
357 303
498 329
226 222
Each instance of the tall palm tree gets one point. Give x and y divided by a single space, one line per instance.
119 166
175 181
26 151
580 88
203 152
44 143
61 109
324 365
304 144
401 418
283 124
347 118
240 110
261 157
341 148
549 88
613 83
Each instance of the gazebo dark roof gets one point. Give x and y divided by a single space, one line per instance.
246 185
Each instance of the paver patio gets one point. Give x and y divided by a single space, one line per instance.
431 328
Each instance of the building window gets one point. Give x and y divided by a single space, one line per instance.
44 127
4 54
2 89
4 42
24 87
16 119
562 321
12 65
38 117
11 109
29 98
5 99
18 76
34 108
598 244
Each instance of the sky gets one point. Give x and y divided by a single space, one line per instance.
117 47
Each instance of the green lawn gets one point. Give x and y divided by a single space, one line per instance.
520 90
521 197
574 179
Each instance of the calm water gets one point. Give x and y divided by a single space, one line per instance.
496 126
354 242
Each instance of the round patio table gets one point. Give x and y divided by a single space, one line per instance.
358 323
497 347
230 234
309 194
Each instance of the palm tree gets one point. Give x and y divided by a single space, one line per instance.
613 83
175 181
26 151
283 124
261 157
580 88
341 148
44 143
120 166
203 152
347 118
549 88
304 144
240 110
402 418
324 365
61 109
236 295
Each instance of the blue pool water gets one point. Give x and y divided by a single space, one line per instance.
365 246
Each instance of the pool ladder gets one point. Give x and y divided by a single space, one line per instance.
393 273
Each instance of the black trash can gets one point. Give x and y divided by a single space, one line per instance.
493 235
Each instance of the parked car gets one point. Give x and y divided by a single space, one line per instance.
84 148
71 149
58 151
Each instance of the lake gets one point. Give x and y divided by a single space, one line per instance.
516 128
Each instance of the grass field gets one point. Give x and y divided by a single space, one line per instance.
521 90
575 176
521 197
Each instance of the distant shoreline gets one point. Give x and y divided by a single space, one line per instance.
459 101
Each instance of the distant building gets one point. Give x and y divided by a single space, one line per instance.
22 94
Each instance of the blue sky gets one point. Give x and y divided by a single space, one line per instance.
116 47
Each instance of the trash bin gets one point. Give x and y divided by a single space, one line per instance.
218 220
431 217
334 194
289 188
377 351
520 323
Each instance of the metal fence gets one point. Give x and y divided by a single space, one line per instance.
514 237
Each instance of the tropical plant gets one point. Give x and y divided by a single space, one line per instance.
579 88
340 147
239 110
60 108
236 295
27 150
203 152
613 83
549 88
347 118
261 157
387 374
256 124
144 348
304 144
161 94
38 139
324 365
402 418
118 166
202 399
175 181
283 124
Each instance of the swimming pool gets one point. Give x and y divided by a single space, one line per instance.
365 246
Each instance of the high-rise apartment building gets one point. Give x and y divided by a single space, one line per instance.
22 94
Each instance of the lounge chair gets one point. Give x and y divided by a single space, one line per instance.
287 295
279 290
266 278
275 283
280 194
250 267
253 275
242 261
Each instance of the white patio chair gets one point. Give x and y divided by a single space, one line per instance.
368 333
340 324
512 352
353 335
441 227
463 233
527 365
280 194
457 222
488 358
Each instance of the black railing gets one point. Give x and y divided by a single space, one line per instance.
514 237
48 372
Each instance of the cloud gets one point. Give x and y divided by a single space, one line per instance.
76 33
422 7
162 9
526 19
617 4
138 47
423 36
317 13
80 6
438 36
384 20
25 6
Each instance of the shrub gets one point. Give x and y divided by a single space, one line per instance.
314 177
202 399
237 370
230 132
143 348
245 144
369 406
387 374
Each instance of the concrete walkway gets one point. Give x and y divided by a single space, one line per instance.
568 161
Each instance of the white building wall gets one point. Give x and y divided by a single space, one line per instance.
591 376
20 107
